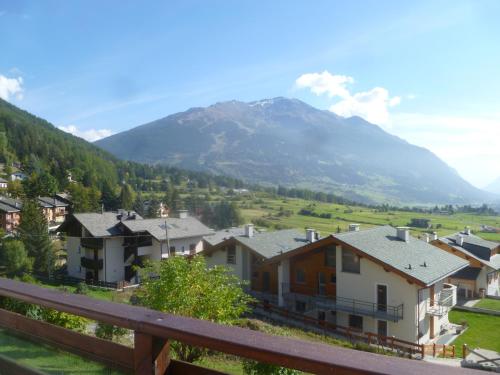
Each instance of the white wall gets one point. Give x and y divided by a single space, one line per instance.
114 268
219 257
74 257
493 288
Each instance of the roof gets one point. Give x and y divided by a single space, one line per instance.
51 202
177 228
3 180
468 273
475 247
100 225
270 244
14 203
415 258
224 234
7 208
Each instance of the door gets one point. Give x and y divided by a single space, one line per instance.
381 297
266 282
321 283
382 327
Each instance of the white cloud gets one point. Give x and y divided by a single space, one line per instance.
90 135
321 83
11 87
372 105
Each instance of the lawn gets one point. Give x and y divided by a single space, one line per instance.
488 303
483 331
48 359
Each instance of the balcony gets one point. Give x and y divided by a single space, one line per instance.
91 263
91 243
153 330
320 300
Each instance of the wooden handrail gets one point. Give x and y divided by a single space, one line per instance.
302 355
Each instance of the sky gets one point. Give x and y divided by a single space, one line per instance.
427 71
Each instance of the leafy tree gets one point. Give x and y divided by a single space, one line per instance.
127 197
40 184
15 258
109 198
154 207
139 204
223 215
187 287
85 199
35 237
15 189
109 331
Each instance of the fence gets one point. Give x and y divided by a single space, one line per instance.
440 350
153 330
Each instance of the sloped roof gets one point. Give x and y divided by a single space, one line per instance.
270 244
415 258
7 208
100 225
15 203
51 202
177 228
224 234
475 247
468 273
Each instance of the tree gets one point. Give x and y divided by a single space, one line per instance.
15 189
223 215
127 197
34 234
154 207
85 199
15 258
40 184
139 204
187 287
108 197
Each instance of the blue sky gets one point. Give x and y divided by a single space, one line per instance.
426 71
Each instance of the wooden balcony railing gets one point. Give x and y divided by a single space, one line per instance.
91 263
154 329
92 243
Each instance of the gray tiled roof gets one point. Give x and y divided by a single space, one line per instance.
7 208
51 202
383 244
100 225
468 273
224 234
270 244
473 247
16 203
3 180
177 228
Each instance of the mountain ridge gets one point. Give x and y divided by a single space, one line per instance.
286 141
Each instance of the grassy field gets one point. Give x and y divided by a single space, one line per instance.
492 304
47 358
283 213
483 331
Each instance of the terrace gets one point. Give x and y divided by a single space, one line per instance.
153 330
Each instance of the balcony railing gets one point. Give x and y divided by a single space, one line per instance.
91 263
153 330
441 306
91 243
317 298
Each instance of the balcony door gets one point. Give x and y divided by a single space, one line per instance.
321 283
381 297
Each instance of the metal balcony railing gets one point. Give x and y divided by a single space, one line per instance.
154 329
322 300
441 306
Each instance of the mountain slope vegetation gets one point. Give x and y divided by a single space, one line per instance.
285 141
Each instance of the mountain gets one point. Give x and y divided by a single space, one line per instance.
286 141
40 145
494 187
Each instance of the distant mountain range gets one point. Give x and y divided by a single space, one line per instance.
288 142
494 187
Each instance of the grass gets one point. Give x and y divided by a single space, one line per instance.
48 359
278 212
488 303
483 331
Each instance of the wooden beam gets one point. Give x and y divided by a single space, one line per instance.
151 355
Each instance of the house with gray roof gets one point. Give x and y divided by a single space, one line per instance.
379 280
482 276
105 246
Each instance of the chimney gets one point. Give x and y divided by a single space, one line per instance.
459 239
249 230
434 236
310 235
354 227
183 214
467 230
403 233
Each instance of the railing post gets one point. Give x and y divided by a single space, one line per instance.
151 355
464 351
453 351
434 349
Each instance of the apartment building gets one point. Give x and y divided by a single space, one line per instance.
105 246
379 280
482 276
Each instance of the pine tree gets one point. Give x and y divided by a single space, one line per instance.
127 197
34 234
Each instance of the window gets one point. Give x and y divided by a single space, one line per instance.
300 275
333 278
330 256
321 315
350 261
231 255
192 247
266 281
172 249
382 327
356 321
300 306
